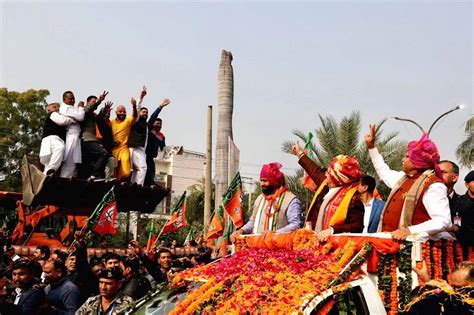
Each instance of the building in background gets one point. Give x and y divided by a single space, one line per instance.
178 170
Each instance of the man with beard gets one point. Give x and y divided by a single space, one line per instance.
72 151
276 209
155 142
336 206
121 127
29 299
110 300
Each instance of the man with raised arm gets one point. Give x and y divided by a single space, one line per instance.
72 152
336 206
95 155
418 203
155 142
121 127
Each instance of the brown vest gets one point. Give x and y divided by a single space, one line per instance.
394 206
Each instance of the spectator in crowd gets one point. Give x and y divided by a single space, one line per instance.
134 284
110 300
450 172
372 206
327 214
112 260
155 143
42 254
121 127
30 299
79 273
464 227
6 307
72 151
96 266
95 156
276 209
418 202
52 141
161 269
63 295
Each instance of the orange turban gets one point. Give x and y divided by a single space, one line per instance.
344 170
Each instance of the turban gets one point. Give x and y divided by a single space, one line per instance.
272 173
424 154
344 170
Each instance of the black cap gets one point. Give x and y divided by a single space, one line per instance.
111 273
469 177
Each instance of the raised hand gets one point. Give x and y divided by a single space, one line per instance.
108 106
136 248
103 95
165 102
295 149
370 137
143 92
134 102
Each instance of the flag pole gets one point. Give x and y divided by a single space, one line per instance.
84 228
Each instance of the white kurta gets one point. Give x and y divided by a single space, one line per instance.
435 200
72 152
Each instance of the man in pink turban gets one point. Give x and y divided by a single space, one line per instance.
276 209
336 206
418 204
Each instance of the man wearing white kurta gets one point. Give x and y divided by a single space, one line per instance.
54 134
418 204
72 152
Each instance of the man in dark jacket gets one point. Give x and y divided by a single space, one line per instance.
336 206
63 295
155 142
30 300
134 284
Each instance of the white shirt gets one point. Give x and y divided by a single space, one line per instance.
435 200
18 292
367 213
75 112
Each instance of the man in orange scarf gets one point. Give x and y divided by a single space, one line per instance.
336 206
276 209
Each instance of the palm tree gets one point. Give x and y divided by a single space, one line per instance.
343 138
465 150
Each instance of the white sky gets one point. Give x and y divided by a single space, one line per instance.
292 61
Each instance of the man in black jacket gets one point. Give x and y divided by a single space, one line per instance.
134 284
30 300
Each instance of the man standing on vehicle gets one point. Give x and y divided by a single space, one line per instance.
276 209
418 203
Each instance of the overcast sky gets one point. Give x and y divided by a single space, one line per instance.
292 61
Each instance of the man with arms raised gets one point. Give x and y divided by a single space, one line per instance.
418 203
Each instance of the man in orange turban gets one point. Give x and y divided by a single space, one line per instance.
336 206
418 203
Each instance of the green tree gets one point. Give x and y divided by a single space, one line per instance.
195 201
334 138
465 150
21 124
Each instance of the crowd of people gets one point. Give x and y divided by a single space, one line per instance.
78 142
56 282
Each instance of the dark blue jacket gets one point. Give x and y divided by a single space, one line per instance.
377 207
32 301
154 143
63 297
